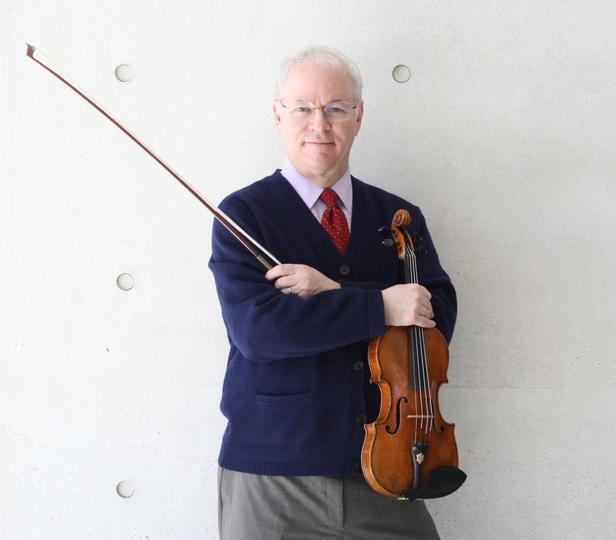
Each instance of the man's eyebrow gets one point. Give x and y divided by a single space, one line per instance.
333 100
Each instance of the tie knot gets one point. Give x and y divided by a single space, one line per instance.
329 197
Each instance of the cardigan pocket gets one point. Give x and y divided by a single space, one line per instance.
285 400
285 420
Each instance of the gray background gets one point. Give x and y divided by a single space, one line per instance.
504 136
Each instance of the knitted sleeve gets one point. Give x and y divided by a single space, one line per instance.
434 278
265 324
364 284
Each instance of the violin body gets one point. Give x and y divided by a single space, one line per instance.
409 451
388 461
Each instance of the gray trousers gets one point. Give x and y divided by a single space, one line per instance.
259 507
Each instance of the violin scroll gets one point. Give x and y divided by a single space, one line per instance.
401 219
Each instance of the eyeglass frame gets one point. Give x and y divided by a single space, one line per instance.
322 108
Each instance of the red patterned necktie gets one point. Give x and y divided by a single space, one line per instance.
333 220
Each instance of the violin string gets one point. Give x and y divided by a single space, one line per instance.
425 379
428 386
416 334
411 348
420 356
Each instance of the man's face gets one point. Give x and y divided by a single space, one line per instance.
317 147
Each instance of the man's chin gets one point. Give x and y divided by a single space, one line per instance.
322 174
320 157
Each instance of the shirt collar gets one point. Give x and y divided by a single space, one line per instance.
310 192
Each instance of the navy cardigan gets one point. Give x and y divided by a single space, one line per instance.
296 391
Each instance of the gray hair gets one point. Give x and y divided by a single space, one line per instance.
322 57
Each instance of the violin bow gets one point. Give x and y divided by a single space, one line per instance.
256 249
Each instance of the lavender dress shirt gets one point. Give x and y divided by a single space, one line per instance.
310 192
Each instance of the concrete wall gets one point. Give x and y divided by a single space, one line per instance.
504 135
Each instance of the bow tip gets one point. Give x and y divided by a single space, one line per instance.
30 50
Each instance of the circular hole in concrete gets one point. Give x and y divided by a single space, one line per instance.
401 73
124 72
125 489
125 281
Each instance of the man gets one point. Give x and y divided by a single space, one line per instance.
296 392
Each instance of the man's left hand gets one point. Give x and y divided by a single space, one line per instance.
299 279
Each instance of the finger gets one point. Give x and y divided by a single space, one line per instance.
284 282
421 313
284 290
427 313
273 273
418 291
427 294
279 270
424 306
425 322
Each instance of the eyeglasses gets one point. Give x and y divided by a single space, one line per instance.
337 111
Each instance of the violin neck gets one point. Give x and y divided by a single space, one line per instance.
410 267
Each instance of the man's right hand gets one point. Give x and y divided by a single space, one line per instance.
408 304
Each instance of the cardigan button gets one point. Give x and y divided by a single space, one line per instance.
357 466
361 418
358 366
344 270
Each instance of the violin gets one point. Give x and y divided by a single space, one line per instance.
409 451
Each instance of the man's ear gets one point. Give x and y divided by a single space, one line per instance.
360 116
276 113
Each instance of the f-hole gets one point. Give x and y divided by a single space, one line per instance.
397 426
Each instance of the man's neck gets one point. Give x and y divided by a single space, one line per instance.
323 179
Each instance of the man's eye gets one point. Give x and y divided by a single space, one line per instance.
301 110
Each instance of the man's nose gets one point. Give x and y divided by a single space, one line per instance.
318 121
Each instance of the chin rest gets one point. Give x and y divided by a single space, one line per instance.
441 481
